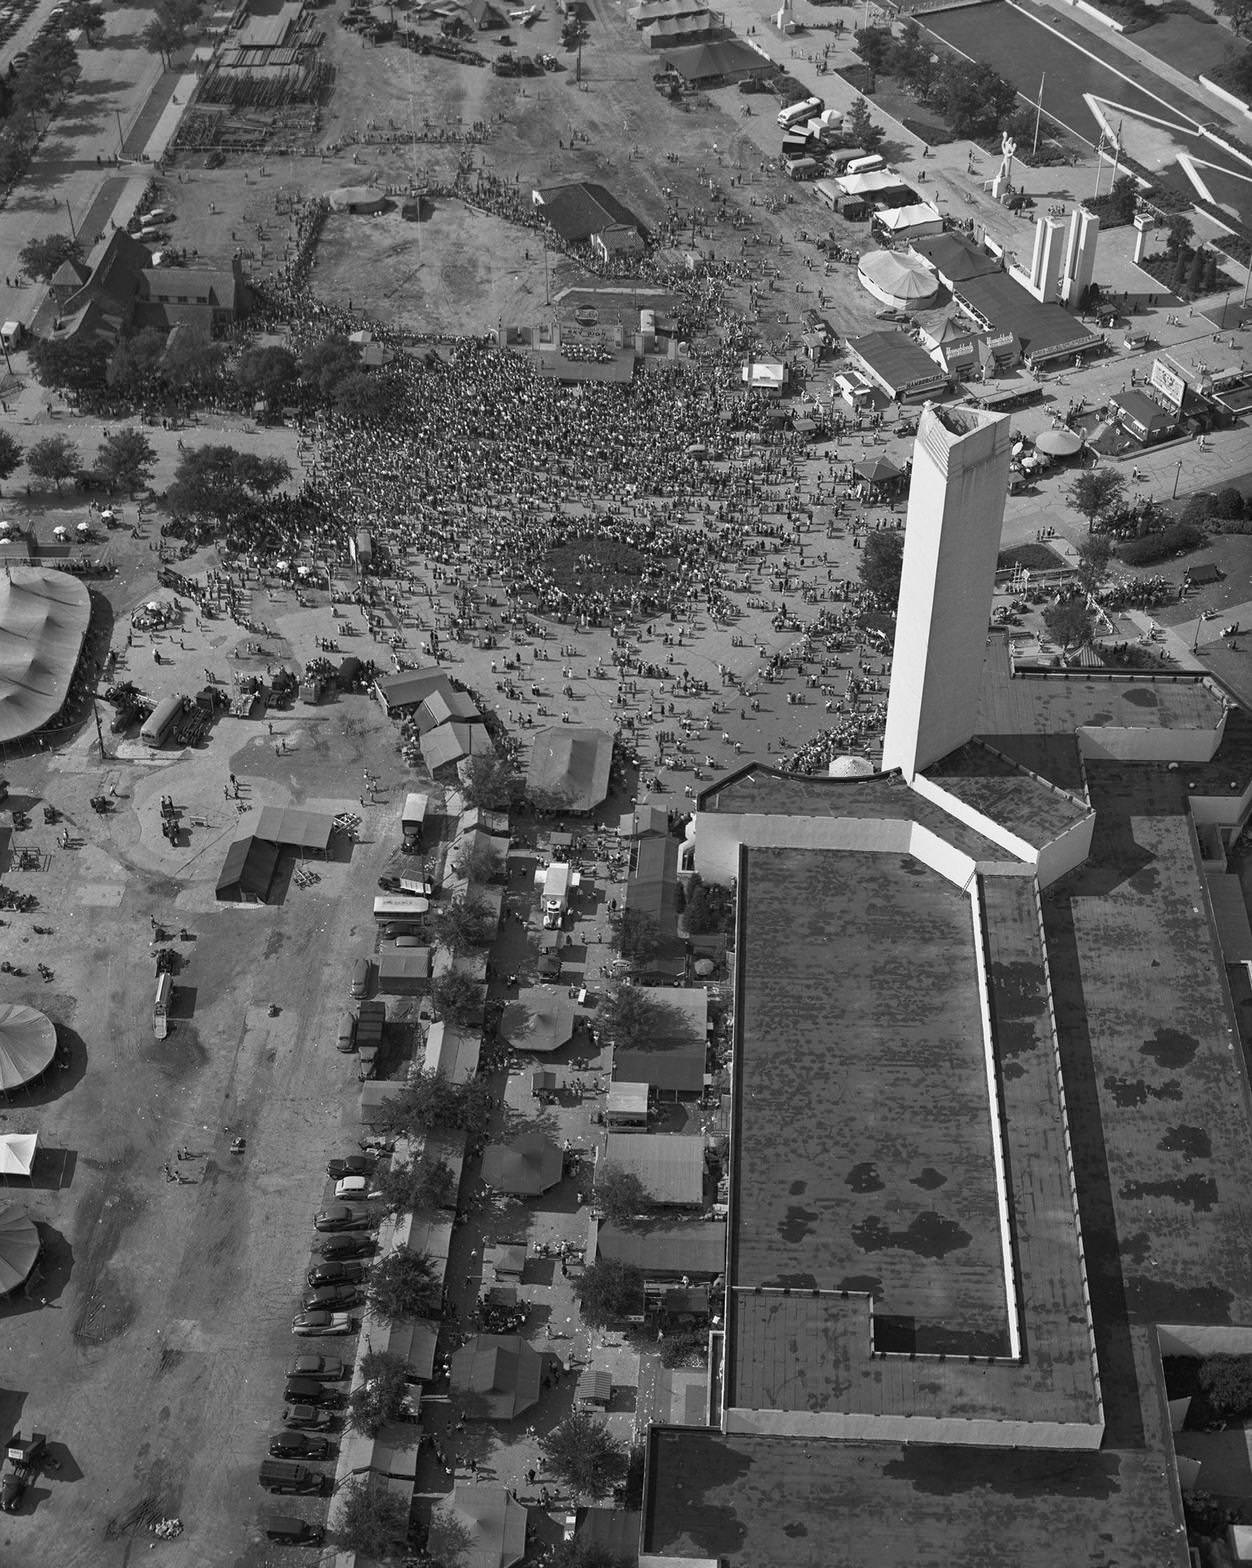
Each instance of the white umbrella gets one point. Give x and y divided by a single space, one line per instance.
303 571
153 605
106 511
60 533
84 528
17 1153
282 566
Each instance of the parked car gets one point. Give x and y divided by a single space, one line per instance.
395 928
329 1369
310 1391
335 1272
341 1216
360 981
409 941
330 1298
290 1531
346 1039
346 1245
349 1165
312 1323
282 1475
300 1416
298 1445
348 1188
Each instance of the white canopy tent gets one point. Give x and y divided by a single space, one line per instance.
17 1153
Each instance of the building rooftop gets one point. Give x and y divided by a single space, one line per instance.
1007 793
775 1502
954 257
1044 329
829 1056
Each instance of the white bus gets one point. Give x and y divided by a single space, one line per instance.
399 907
796 112
865 165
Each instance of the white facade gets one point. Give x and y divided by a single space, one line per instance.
952 537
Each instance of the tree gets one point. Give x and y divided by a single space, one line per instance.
324 364
710 907
430 1100
1227 1381
1071 624
10 454
638 936
861 129
381 1396
448 1539
874 45
1095 493
583 1452
165 34
192 363
619 1193
419 1187
1094 554
366 398
65 362
608 1290
491 781
882 556
631 1017
972 98
41 258
1179 230
55 458
267 372
462 923
581 1553
404 1285
477 863
458 999
372 1521
1195 272
124 460
221 484
136 360
87 14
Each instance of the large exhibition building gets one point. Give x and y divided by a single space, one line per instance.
991 1140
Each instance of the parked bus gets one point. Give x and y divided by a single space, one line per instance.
800 168
866 164
838 160
795 112
161 721
392 907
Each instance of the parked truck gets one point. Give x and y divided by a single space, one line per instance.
555 882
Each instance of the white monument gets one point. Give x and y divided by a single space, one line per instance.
951 541
1003 177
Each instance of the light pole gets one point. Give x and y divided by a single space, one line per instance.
1177 474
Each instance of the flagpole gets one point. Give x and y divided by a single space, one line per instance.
1038 114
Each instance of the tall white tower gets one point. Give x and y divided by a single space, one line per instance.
951 540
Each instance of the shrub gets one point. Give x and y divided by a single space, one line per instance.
1159 547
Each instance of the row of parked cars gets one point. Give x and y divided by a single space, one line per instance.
313 1394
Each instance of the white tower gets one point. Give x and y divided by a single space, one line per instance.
952 538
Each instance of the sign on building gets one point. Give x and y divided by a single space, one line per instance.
1168 383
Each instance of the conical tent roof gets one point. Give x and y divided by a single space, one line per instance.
28 1042
17 1153
19 1247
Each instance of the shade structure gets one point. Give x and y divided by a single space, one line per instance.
541 1019
1059 443
900 281
17 1153
43 619
28 1042
488 1523
19 1248
877 470
496 1376
569 767
525 1168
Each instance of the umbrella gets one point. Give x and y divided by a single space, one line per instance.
107 512
60 533
5 527
1059 443
84 528
282 566
17 1153
19 1247
303 571
153 604
704 967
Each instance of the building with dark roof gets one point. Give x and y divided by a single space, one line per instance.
582 209
953 257
895 364
714 64
979 1000
1047 331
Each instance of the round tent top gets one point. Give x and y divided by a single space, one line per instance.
19 1248
896 279
28 1042
1059 443
849 767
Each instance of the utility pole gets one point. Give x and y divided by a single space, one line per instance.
1038 114
95 713
70 216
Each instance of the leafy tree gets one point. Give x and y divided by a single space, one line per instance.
371 1521
581 1553
380 1397
136 360
874 45
1227 1382
1227 504
631 1016
221 484
861 129
10 454
491 781
583 1452
1208 283
1095 493
1179 231
608 1291
87 14
1071 624
638 936
973 98
431 1100
448 1539
477 864
125 459
458 999
165 33
419 1187
267 372
1094 554
14 156
192 363
55 458
366 398
66 362
1195 272
404 1285
710 907
462 923
620 1193
882 556
324 364
40 258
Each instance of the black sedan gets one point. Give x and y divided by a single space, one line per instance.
342 1216
350 1165
344 1246
327 1368
307 1391
298 1445
331 1298
336 1273
306 1416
